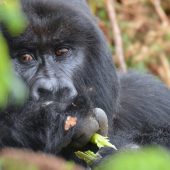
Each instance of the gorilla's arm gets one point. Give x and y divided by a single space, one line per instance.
144 113
143 117
43 128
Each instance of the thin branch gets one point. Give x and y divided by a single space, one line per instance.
160 11
117 34
165 69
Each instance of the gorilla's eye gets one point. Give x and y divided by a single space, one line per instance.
62 52
26 58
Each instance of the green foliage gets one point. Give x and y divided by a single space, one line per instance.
145 37
101 141
144 159
88 156
12 17
12 164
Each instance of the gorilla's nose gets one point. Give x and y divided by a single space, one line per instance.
42 88
63 92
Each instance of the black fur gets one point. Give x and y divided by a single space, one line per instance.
137 106
144 113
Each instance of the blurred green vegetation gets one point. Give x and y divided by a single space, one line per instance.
13 19
143 159
146 39
12 164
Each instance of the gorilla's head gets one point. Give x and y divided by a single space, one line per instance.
62 55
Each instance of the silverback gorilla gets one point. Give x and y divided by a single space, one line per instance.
63 58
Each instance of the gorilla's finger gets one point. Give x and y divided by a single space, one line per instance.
101 118
85 130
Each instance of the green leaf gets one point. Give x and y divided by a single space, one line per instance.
101 141
89 157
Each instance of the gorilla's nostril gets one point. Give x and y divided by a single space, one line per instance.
44 91
67 94
65 91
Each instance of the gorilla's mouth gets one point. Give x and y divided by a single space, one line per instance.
59 106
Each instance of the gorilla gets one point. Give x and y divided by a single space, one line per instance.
63 58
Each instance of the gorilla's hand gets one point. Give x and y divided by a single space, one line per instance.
88 125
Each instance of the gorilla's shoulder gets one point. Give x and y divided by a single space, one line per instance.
143 98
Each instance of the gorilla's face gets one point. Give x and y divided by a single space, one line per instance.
48 67
50 53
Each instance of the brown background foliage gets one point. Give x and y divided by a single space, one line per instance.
145 33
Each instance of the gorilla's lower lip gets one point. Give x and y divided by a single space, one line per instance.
47 103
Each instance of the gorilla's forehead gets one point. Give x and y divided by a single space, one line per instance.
53 21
